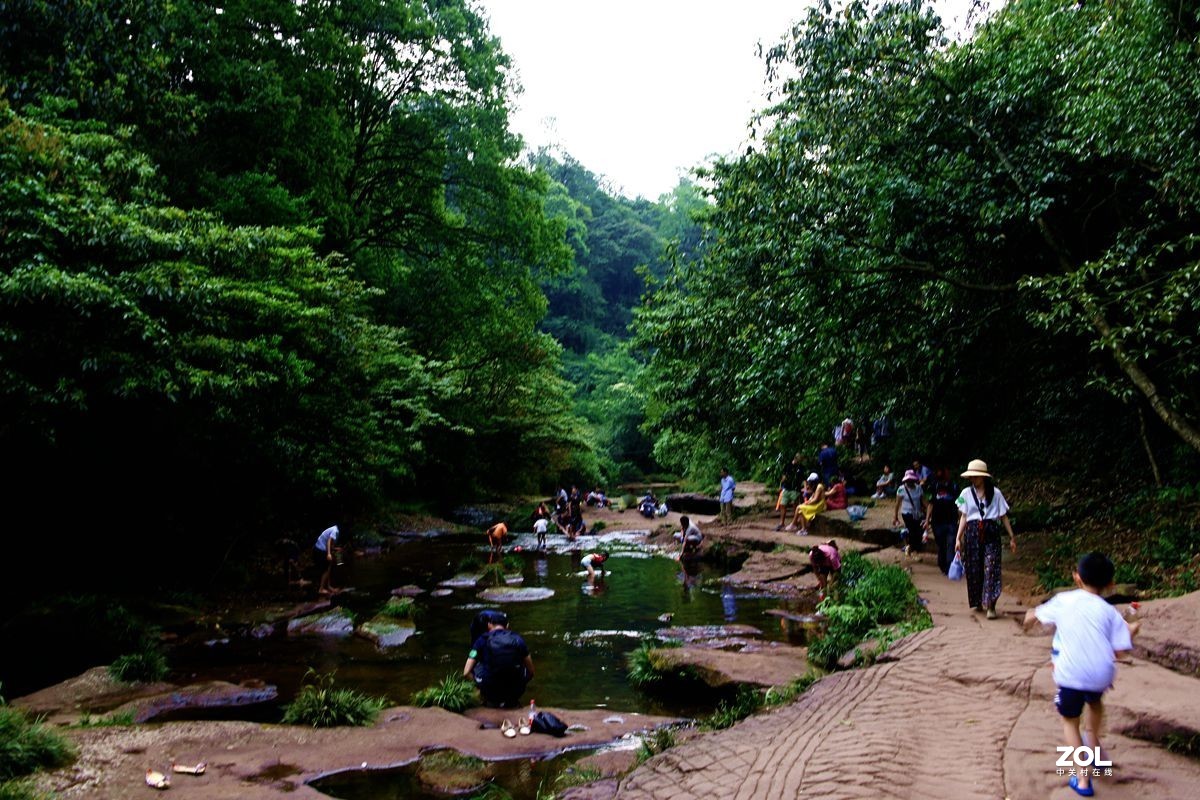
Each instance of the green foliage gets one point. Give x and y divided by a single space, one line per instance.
469 564
453 693
27 746
873 598
514 565
782 695
577 776
401 608
493 574
114 720
657 741
23 789
598 526
644 671
321 705
746 701
145 666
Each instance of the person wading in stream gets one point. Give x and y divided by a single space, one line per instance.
324 557
982 510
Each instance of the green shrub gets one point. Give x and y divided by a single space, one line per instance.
493 574
121 720
146 666
782 695
887 592
1174 545
321 705
401 608
27 746
598 526
513 565
1051 575
577 776
642 671
453 693
745 702
854 566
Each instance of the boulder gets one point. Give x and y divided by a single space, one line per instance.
756 663
213 694
408 590
700 633
386 631
334 622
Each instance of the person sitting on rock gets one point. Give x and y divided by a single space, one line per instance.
826 560
813 504
835 495
597 498
648 505
884 483
499 663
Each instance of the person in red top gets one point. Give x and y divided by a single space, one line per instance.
835 495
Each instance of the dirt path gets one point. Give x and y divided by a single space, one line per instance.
960 711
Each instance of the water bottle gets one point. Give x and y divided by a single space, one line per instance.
1131 613
532 711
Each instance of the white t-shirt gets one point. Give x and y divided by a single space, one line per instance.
1087 632
994 510
541 525
323 540
910 499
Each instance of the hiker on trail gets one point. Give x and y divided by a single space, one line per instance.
789 490
690 537
943 519
726 498
495 536
982 510
826 560
324 557
813 504
912 507
499 661
827 462
1088 635
540 527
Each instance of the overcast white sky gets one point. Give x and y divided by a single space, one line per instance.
639 91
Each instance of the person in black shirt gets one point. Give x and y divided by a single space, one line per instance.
789 490
499 661
944 520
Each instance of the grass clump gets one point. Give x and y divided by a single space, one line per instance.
744 702
322 705
122 720
145 666
577 776
22 790
513 564
469 564
453 693
645 671
401 608
661 740
782 695
598 526
27 746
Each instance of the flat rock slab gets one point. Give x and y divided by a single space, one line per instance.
696 633
408 590
764 664
441 593
462 581
334 622
1170 633
92 692
214 694
249 761
762 567
387 632
515 594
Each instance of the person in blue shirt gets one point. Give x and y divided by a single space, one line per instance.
727 487
827 462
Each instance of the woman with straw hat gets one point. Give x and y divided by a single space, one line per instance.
982 510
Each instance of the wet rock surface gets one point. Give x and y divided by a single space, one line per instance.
515 594
334 622
204 696
702 633
408 590
755 663
387 631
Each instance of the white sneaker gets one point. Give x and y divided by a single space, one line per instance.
790 527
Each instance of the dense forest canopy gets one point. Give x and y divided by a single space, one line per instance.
994 242
273 262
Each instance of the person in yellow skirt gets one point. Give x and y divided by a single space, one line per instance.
814 503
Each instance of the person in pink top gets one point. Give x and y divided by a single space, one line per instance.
826 561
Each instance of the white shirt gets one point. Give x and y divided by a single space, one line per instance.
727 487
323 540
994 510
1087 632
541 525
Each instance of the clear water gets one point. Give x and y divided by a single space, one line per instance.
578 638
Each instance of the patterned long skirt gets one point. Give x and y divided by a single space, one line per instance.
981 560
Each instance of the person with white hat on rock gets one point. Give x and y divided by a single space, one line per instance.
813 504
982 511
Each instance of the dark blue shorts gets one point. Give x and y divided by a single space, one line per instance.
1069 702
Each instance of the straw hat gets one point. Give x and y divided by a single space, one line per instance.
977 467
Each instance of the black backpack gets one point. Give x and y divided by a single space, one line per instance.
505 650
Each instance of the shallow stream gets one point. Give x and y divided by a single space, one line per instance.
578 638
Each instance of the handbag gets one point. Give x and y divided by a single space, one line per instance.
956 568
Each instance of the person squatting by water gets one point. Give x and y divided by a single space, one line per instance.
1088 635
324 557
826 561
495 536
499 660
690 537
982 511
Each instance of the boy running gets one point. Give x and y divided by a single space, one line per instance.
1088 634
